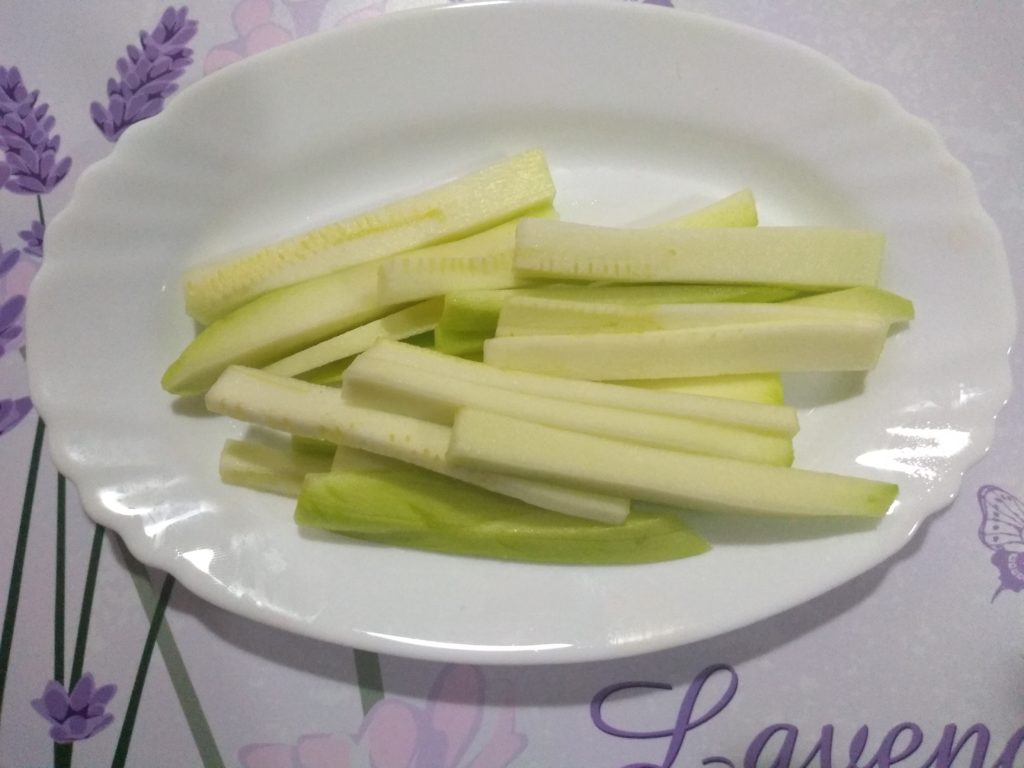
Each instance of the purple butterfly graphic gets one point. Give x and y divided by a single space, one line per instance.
1002 531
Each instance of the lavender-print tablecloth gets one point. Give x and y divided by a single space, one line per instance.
919 662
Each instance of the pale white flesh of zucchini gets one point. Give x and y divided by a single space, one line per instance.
451 268
397 388
348 458
407 322
502 444
775 419
425 445
753 387
851 344
891 306
479 262
806 257
478 310
469 204
316 411
484 261
530 315
276 325
737 210
266 468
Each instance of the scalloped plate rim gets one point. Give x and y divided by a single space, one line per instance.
62 443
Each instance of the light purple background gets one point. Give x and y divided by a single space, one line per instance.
918 639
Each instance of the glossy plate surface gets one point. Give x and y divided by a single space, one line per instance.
642 112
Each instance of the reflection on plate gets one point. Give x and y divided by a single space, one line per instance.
642 111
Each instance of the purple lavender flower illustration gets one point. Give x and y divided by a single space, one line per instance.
8 259
25 137
33 237
10 310
5 173
77 715
147 74
12 411
10 321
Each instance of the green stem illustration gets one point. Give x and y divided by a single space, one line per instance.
369 679
132 709
78 662
59 578
61 752
188 699
14 590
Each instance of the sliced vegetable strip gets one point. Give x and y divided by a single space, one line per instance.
852 344
477 201
410 321
754 387
276 325
528 315
397 388
502 444
807 257
891 306
776 419
409 507
266 468
311 410
737 210
478 262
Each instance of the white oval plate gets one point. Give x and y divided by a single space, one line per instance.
642 111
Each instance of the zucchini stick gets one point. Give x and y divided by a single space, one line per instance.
502 444
775 419
808 257
852 344
311 410
396 388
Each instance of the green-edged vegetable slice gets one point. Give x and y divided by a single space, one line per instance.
410 507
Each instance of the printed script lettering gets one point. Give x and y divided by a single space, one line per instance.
779 745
